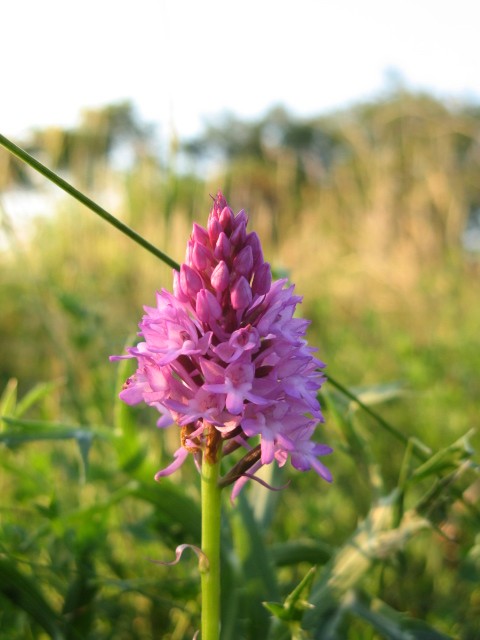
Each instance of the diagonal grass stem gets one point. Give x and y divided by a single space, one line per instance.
417 449
85 200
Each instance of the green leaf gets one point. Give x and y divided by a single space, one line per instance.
39 392
390 623
296 551
375 540
174 508
24 431
356 446
379 393
255 570
446 459
296 602
80 596
8 400
399 435
277 610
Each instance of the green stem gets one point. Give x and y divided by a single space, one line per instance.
210 571
66 186
416 449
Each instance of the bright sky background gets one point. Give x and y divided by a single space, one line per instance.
181 62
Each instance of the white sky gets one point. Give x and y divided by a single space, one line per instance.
181 61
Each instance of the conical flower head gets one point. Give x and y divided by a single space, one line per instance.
225 358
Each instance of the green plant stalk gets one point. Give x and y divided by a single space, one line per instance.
210 566
85 200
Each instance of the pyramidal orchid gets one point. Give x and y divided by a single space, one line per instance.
226 360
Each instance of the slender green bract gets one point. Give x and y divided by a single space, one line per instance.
210 568
66 186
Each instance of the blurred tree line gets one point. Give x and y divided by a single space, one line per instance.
398 171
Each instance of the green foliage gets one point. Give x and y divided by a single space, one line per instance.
367 209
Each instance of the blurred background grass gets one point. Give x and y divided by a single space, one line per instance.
374 213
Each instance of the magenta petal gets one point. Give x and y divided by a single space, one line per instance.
220 277
207 307
234 402
223 247
253 241
178 554
322 470
200 257
180 456
241 294
133 392
199 235
165 420
322 450
262 279
268 449
214 229
243 263
240 483
190 281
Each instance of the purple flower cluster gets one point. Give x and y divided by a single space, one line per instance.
225 358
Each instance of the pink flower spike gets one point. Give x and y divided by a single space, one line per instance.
225 357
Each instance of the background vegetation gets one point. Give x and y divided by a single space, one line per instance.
374 214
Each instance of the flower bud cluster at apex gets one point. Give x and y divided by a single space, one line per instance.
225 359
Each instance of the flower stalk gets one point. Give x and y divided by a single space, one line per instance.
211 529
